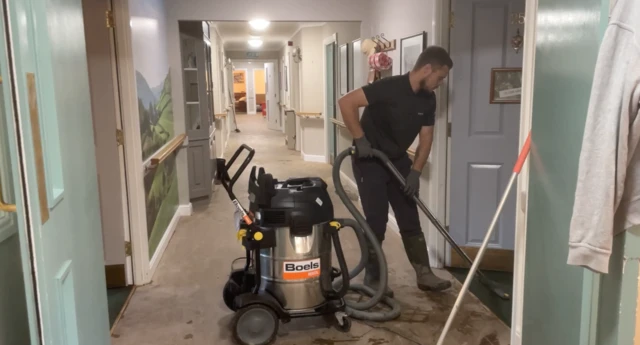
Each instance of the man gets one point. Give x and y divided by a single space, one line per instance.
397 109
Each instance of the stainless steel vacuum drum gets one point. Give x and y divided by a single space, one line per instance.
291 271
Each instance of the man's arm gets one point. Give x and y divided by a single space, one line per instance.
350 105
424 148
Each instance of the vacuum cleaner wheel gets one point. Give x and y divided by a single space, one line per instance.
229 293
342 322
233 287
255 325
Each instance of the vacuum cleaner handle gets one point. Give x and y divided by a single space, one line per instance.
247 160
244 164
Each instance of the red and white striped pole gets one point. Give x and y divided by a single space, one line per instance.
465 287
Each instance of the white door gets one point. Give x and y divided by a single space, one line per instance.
271 98
484 134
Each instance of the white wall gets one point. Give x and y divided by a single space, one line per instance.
401 18
346 33
307 80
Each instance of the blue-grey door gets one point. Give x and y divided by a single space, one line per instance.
484 131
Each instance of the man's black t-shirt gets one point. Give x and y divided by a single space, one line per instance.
395 114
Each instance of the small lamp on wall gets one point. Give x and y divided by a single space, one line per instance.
516 42
297 55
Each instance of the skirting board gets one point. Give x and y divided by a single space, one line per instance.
313 158
183 211
352 184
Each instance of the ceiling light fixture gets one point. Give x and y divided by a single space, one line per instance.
259 24
255 42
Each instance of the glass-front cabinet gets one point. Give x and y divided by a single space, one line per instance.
198 106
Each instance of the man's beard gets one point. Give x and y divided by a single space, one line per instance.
423 84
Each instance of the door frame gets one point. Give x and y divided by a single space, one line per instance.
275 107
246 87
140 260
522 187
253 89
128 264
332 39
122 154
256 61
441 30
24 224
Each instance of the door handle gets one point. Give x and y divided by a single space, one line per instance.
4 206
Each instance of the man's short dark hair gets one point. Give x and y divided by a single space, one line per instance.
434 55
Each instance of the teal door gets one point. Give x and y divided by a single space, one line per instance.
52 283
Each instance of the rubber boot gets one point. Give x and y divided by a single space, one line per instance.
372 273
416 248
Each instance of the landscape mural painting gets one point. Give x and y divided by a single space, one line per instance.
161 191
155 111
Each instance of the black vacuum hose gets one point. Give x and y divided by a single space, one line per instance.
360 310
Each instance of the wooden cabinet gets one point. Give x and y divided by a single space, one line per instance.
197 82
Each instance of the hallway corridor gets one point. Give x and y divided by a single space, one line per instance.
183 304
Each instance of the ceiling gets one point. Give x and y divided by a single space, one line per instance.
236 34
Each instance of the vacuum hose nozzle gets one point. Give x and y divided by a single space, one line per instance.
366 237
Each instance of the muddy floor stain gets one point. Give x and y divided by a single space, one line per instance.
331 341
491 339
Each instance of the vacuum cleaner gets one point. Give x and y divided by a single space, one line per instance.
289 232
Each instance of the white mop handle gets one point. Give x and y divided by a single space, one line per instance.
516 170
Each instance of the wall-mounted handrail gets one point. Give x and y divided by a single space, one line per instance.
4 206
308 114
167 150
338 123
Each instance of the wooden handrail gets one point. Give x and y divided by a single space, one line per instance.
412 153
338 123
220 115
168 149
308 114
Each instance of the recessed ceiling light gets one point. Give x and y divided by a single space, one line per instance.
255 42
259 24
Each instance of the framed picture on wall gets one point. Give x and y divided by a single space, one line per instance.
344 69
506 86
410 49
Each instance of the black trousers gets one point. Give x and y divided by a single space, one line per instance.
378 188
